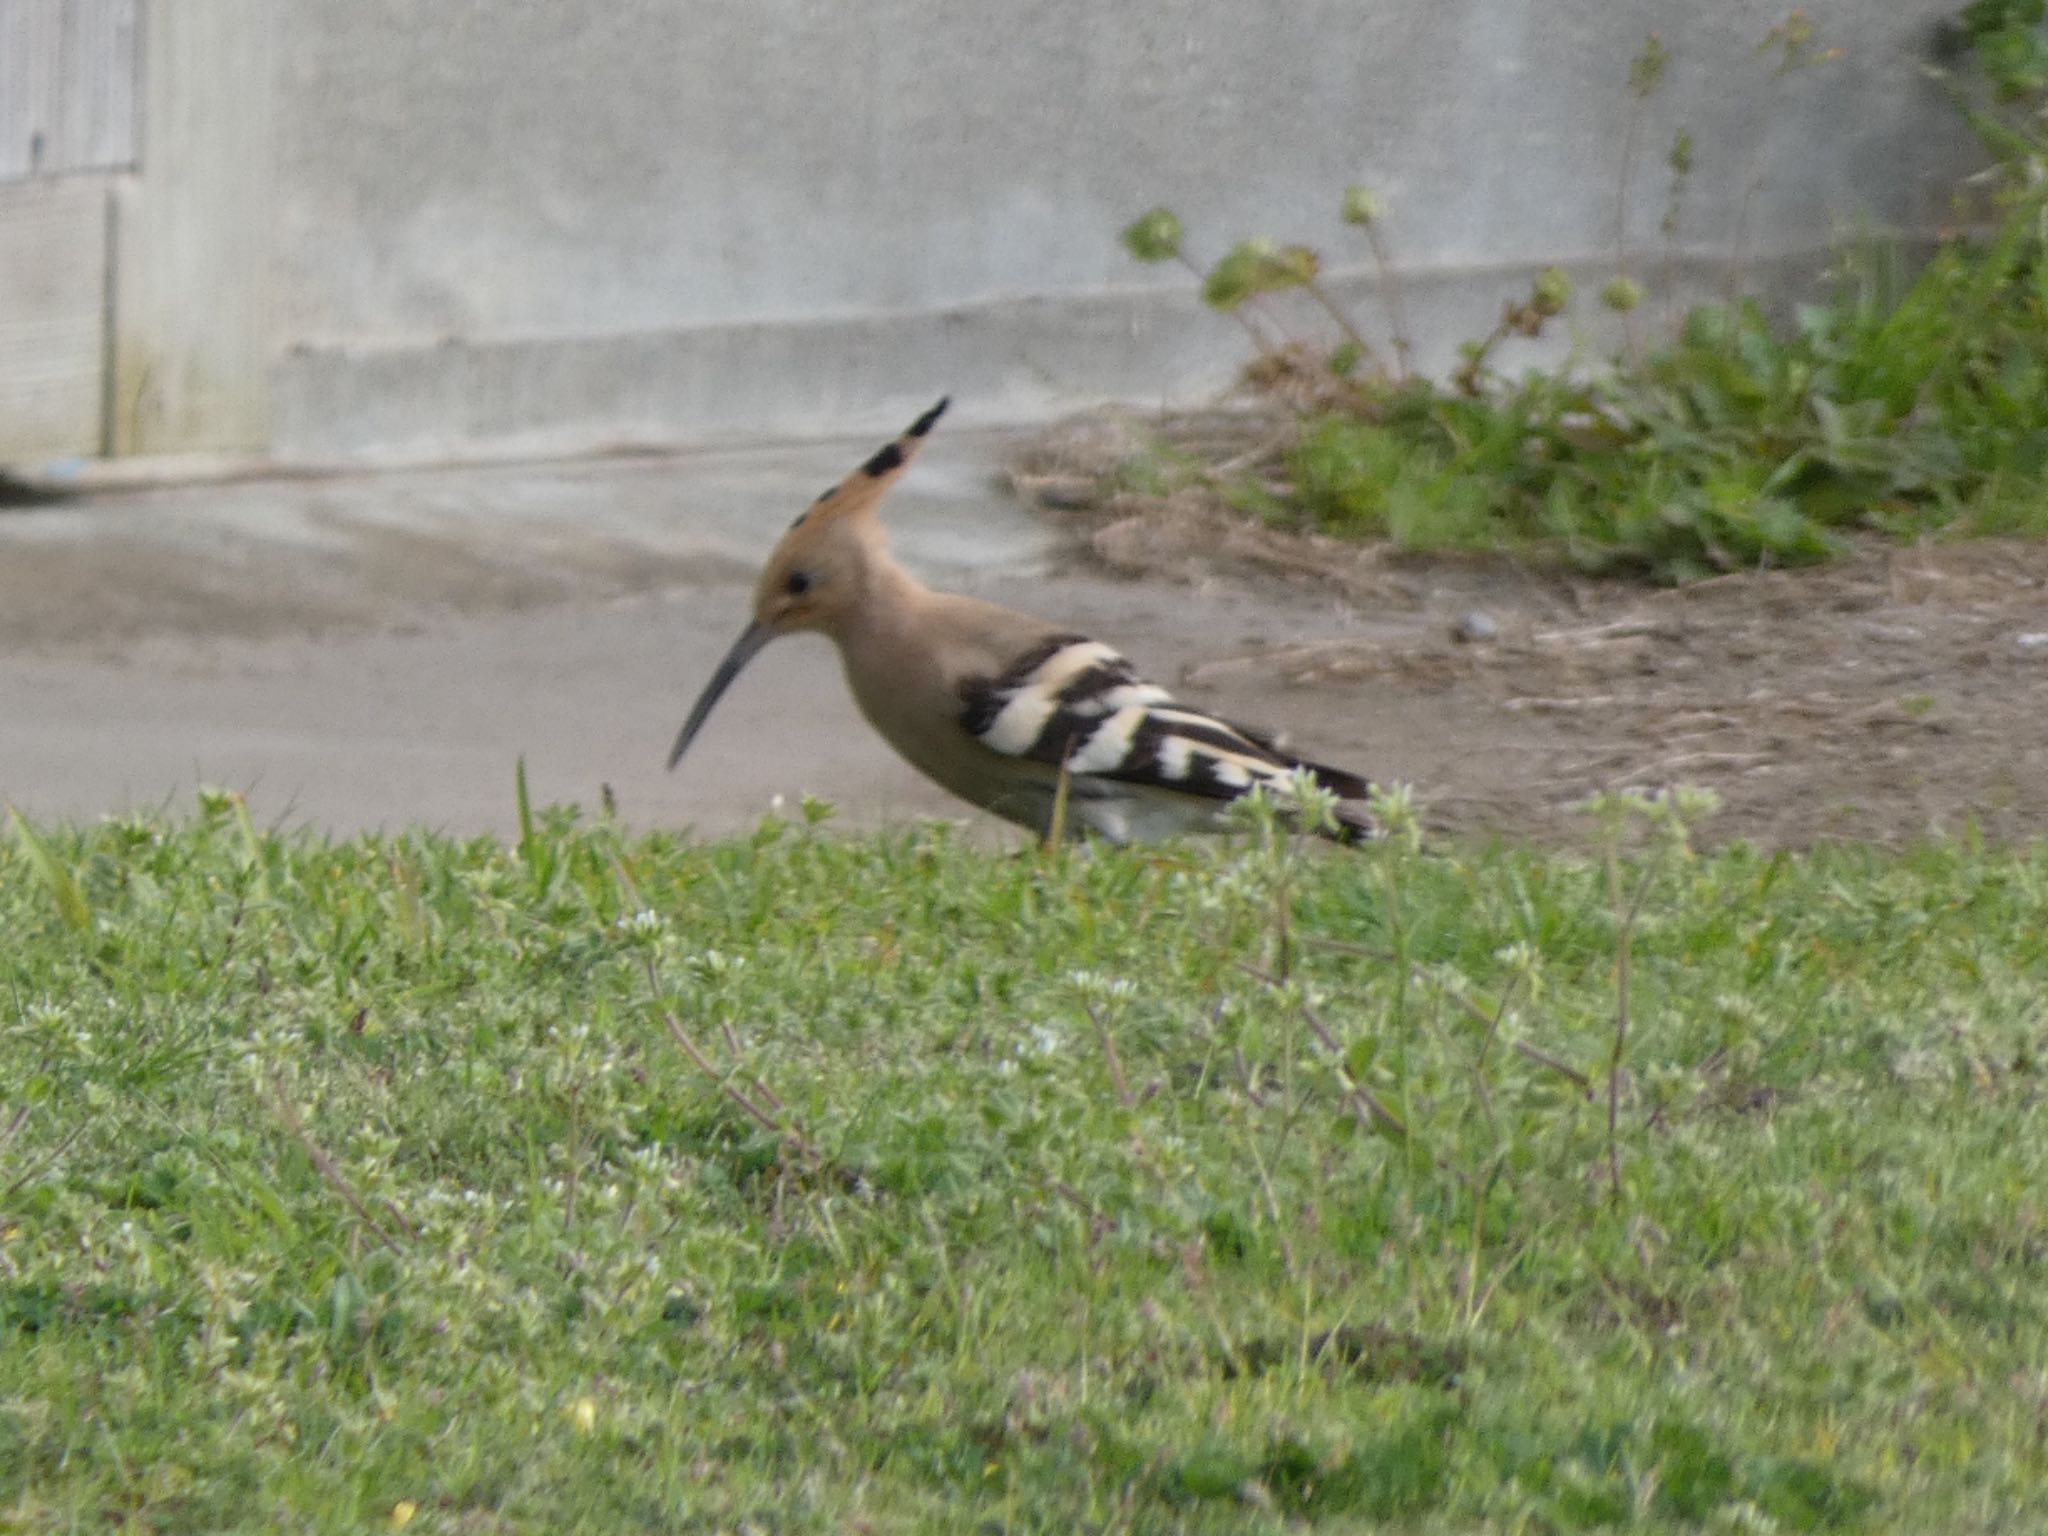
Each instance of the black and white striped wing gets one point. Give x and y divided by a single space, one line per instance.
1077 703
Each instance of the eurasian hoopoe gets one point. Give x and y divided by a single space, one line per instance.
993 705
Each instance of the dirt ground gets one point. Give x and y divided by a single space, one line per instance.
377 651
1900 692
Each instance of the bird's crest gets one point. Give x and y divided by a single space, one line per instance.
861 490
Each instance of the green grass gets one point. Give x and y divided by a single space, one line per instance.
347 1183
1901 406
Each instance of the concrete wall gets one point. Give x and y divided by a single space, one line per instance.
547 224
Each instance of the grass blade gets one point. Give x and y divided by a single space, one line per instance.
534 852
58 880
252 848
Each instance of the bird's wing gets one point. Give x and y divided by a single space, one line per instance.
1075 703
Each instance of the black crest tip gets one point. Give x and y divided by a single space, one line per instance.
885 460
923 424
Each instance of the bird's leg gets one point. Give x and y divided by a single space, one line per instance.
1056 823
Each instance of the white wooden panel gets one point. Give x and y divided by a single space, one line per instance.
67 86
53 291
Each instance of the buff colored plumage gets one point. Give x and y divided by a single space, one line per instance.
993 705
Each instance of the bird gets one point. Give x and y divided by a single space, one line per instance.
1037 724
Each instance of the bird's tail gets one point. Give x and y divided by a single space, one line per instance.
1354 820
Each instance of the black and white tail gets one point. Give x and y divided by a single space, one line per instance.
1076 703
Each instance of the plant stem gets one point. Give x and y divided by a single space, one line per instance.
1403 967
1116 1066
1739 255
1267 347
329 1169
1631 134
1351 332
1468 376
1621 1001
790 1133
1367 1104
1626 916
1397 308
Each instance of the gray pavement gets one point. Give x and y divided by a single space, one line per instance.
378 651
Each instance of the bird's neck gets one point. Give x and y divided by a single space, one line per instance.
885 598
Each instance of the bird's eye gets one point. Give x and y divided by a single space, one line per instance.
799 583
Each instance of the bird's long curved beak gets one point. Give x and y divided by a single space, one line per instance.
751 639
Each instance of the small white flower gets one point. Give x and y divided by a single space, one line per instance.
714 965
1093 984
1518 956
643 927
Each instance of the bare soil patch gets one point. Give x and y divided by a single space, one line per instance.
1899 692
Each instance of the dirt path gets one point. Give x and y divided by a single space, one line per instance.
377 652
1899 693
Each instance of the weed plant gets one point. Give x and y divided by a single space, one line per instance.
1904 403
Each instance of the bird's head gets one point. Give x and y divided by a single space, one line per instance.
814 577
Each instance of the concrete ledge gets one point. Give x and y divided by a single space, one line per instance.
1006 363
